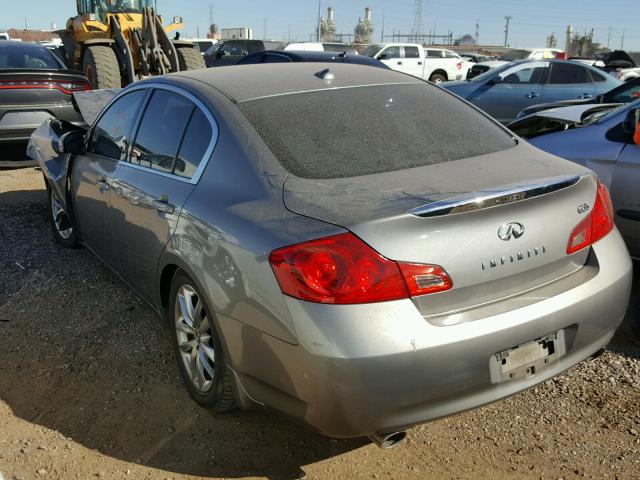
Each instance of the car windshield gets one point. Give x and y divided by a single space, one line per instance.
371 50
365 130
16 55
512 55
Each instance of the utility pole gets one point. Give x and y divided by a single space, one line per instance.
289 33
622 40
382 32
210 14
264 29
506 30
319 20
609 37
477 32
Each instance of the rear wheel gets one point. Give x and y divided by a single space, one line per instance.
198 347
101 67
437 78
190 59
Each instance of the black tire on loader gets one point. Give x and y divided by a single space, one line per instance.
101 67
190 59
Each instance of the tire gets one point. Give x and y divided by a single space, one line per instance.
101 67
62 227
190 59
195 341
437 78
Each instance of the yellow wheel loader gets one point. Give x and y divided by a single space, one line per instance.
116 42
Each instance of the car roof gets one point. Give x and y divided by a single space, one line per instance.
247 82
313 56
23 45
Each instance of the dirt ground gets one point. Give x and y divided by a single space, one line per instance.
89 389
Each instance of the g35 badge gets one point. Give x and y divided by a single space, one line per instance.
583 208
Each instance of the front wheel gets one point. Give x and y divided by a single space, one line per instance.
198 347
61 225
190 59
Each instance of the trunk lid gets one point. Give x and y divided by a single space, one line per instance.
406 216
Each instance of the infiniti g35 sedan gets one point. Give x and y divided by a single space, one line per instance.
325 244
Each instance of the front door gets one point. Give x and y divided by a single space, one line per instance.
392 58
152 186
511 90
92 174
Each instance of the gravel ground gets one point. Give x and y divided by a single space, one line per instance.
89 389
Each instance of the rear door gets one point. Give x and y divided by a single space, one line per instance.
412 62
93 173
175 135
568 81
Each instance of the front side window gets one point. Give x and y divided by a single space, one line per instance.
232 48
110 136
527 73
411 52
390 52
563 73
161 130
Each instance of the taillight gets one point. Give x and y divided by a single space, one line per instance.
459 65
596 225
65 87
342 269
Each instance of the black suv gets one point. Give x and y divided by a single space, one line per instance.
228 52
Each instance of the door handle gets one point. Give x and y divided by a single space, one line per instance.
163 206
103 185
533 95
399 63
585 96
419 63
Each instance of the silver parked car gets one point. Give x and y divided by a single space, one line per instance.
326 244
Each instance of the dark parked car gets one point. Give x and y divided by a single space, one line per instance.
333 248
230 51
476 57
286 56
34 85
509 89
625 93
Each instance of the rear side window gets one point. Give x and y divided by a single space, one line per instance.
197 139
568 73
434 53
161 131
597 77
373 129
110 136
411 52
253 47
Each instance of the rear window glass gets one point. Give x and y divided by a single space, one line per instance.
27 56
373 129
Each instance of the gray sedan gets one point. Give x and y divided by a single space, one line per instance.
323 245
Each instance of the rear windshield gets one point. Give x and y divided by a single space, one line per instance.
373 129
18 56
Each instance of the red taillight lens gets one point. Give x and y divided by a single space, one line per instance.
342 269
459 65
598 224
65 87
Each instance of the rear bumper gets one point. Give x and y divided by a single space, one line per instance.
362 369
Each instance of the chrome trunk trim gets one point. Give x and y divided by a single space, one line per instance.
504 195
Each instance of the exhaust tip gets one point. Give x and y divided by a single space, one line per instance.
388 440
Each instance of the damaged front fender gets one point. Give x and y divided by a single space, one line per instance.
44 148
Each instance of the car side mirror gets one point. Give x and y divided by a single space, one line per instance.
70 142
220 54
383 56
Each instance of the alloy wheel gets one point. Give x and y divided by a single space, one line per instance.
60 219
195 338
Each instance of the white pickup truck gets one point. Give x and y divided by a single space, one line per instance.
433 64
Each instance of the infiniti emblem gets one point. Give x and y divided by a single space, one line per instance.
511 230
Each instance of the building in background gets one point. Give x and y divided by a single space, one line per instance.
244 33
364 28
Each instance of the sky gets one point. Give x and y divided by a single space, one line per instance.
532 21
